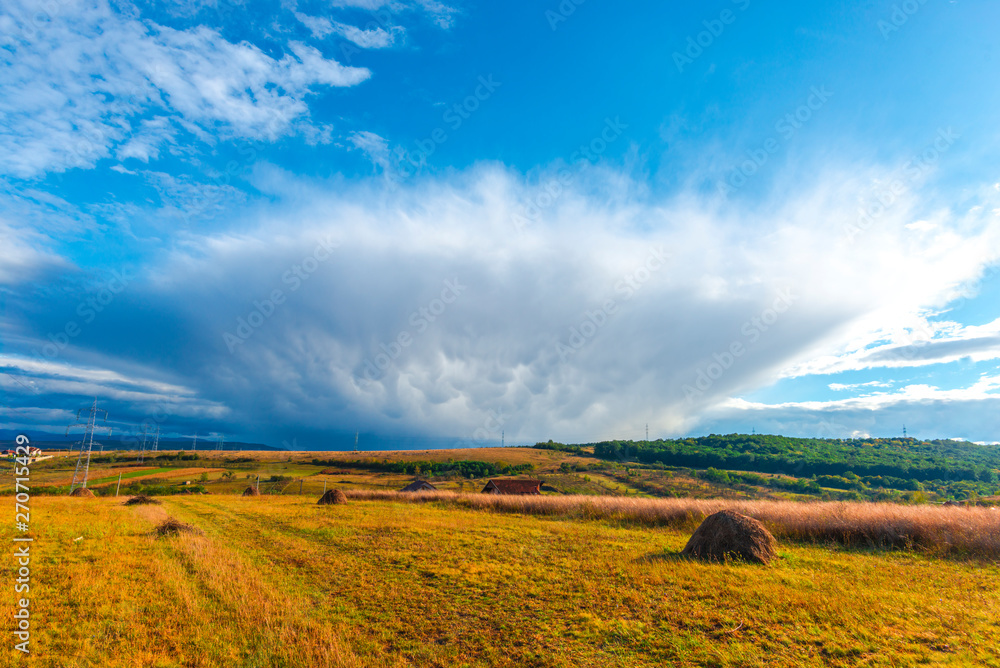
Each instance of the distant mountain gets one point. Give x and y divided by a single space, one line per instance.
43 440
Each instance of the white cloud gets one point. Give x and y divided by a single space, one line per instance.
145 143
29 381
538 280
24 255
531 290
77 87
374 37
987 387
37 369
840 387
376 148
922 343
925 410
443 15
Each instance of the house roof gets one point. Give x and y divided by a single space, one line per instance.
418 485
509 486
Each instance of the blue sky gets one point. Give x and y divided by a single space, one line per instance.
288 221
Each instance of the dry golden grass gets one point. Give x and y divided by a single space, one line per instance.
281 582
972 531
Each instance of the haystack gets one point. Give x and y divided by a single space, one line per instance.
140 500
332 496
82 491
172 527
251 491
728 535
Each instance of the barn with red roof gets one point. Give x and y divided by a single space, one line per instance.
513 486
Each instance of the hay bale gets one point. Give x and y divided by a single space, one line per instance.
140 500
728 535
332 496
173 527
251 491
82 491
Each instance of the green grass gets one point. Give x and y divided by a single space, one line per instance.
280 581
133 474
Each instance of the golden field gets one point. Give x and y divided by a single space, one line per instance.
280 581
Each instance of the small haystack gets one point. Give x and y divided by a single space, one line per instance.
82 491
251 491
140 500
728 535
172 527
332 496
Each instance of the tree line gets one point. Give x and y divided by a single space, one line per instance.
464 468
900 458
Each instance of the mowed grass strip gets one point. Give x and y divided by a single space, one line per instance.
119 596
280 581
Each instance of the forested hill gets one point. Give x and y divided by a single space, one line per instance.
905 458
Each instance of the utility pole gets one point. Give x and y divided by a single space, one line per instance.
501 438
87 445
356 441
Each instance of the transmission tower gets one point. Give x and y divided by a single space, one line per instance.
156 443
87 444
195 446
142 448
221 445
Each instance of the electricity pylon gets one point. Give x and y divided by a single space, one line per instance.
82 464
